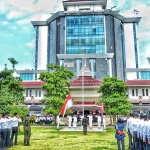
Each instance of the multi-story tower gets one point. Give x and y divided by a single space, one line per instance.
87 31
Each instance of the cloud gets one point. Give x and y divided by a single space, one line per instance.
4 23
31 44
15 14
42 16
23 21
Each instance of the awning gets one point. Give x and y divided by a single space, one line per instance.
80 107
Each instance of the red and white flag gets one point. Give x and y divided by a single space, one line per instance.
68 103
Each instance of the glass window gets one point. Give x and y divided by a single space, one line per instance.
146 92
143 92
133 92
145 75
85 32
30 93
27 93
26 76
136 92
39 93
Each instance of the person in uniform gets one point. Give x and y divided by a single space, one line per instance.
74 121
134 131
104 121
90 120
69 120
148 134
84 123
120 138
4 125
99 120
139 130
129 127
27 130
15 121
0 132
59 121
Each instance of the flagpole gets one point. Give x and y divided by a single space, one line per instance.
83 84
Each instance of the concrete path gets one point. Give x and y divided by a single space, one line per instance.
79 128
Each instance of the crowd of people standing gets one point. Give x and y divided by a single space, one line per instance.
138 130
8 130
76 119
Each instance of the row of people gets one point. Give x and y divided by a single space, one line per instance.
74 119
44 119
138 129
8 129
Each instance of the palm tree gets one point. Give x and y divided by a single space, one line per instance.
13 62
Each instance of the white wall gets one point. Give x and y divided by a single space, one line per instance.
90 7
42 47
130 51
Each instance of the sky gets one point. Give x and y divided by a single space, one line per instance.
17 35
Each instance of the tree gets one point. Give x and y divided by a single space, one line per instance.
13 62
11 90
56 87
113 96
20 110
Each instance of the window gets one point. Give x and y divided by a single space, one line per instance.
136 92
85 32
146 92
38 93
26 76
145 75
27 93
143 92
30 93
133 92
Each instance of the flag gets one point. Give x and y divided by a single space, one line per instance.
68 103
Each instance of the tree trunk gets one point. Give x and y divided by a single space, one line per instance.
110 119
55 120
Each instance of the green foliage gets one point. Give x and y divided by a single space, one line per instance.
11 91
113 96
20 110
13 62
56 87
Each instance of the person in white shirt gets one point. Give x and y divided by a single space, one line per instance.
74 121
99 120
15 120
129 128
104 121
59 121
90 120
135 123
69 120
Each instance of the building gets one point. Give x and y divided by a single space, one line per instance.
87 30
84 93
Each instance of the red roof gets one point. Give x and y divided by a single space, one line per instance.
32 83
88 81
137 82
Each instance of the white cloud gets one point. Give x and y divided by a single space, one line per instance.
4 23
15 14
31 44
40 16
30 6
23 21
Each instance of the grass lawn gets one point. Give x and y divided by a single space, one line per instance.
48 138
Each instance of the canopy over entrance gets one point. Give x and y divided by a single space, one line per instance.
90 107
